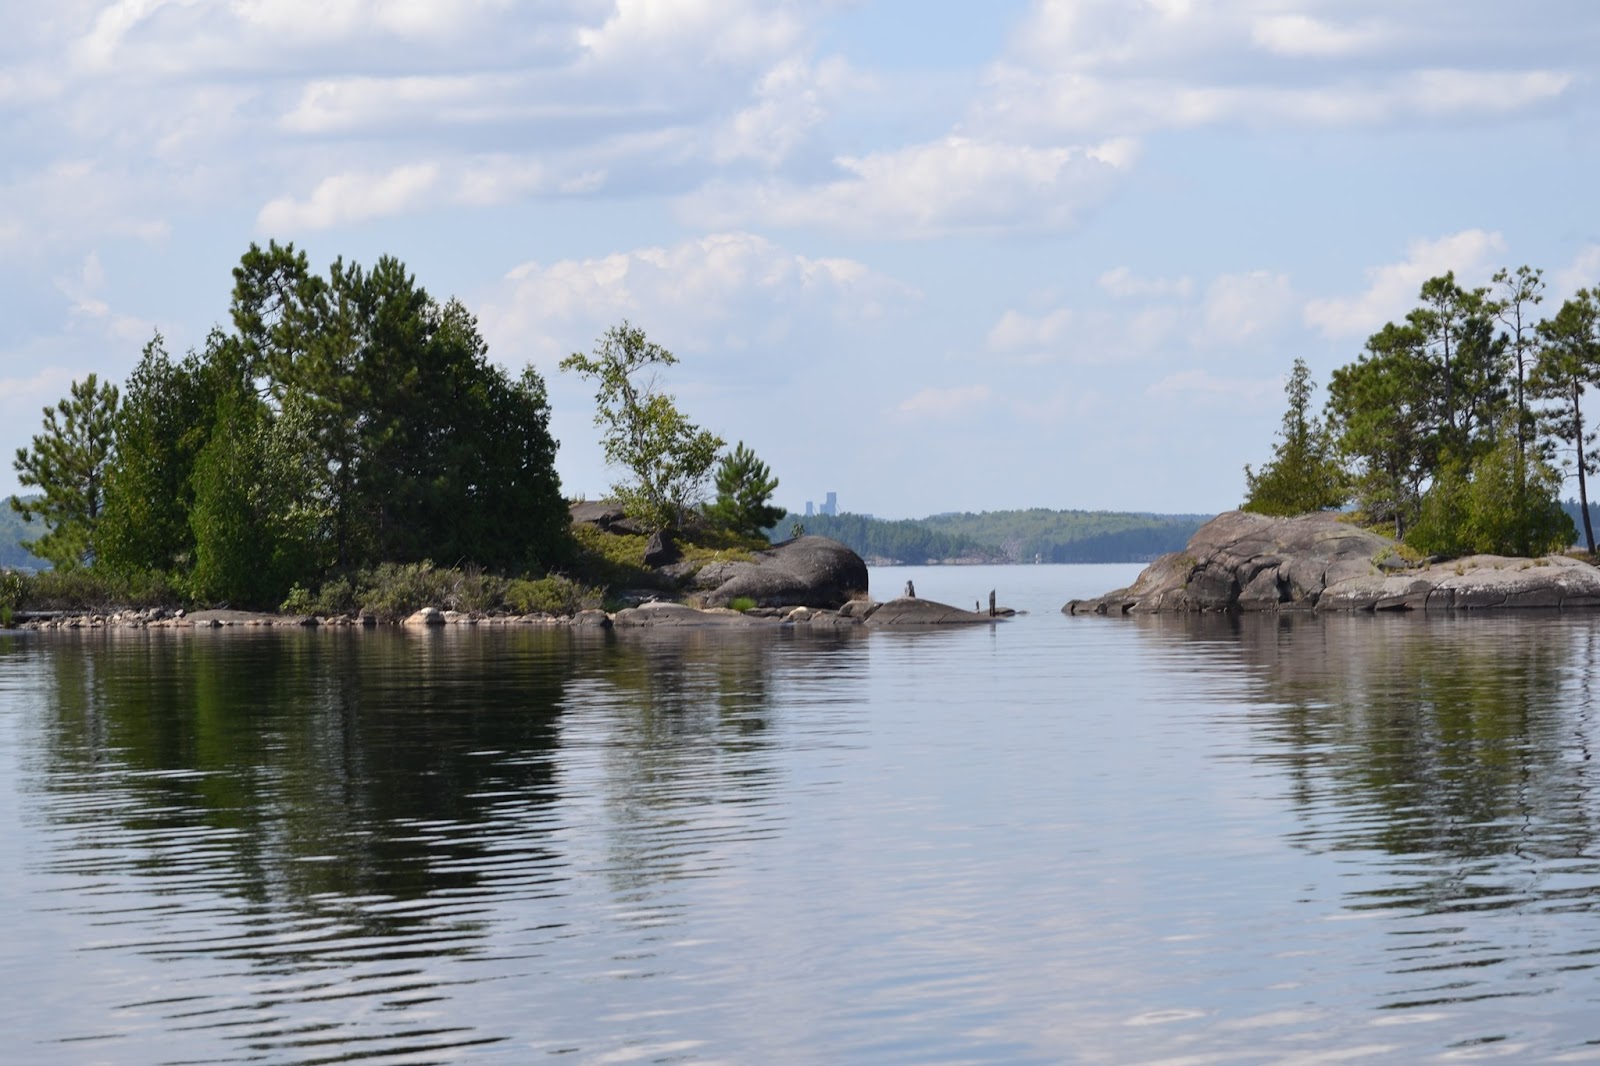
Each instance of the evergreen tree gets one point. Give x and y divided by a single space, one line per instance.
1303 475
164 419
67 463
1568 363
744 490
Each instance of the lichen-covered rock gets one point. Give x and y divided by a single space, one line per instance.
1249 562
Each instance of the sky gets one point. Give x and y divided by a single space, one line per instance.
932 256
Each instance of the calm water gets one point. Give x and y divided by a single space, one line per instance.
1058 840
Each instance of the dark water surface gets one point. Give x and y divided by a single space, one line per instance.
1059 840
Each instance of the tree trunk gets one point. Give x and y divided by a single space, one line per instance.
1583 485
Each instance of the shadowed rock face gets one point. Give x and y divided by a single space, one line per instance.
1249 562
810 571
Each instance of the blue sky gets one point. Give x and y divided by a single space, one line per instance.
930 256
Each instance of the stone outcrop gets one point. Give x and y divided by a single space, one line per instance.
1249 562
912 611
805 571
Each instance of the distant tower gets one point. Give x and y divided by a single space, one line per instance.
831 507
810 509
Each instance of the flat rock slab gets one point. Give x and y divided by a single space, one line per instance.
665 614
912 611
1248 562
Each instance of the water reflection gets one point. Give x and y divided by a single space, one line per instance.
296 821
1450 759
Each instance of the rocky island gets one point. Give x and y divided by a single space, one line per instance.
1320 562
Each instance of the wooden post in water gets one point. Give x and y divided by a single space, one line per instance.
992 611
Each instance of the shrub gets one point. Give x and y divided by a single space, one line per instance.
549 595
742 603
392 591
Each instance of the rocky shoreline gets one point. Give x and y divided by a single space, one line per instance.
1320 562
902 612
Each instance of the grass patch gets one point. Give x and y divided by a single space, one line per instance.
742 604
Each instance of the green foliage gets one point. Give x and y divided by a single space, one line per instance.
1506 504
336 597
85 590
67 463
165 418
1303 475
391 591
666 456
1568 363
347 420
1380 414
254 533
425 446
742 604
550 595
744 488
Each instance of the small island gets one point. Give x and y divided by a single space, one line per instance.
1324 562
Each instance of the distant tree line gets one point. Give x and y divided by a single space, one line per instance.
1450 427
1008 536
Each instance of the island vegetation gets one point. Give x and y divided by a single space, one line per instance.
346 445
1453 428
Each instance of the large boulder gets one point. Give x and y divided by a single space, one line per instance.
1250 562
808 571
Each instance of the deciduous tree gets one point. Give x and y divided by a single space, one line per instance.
666 456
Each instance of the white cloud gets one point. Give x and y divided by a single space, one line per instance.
792 99
23 399
1018 332
942 403
344 199
1205 386
948 186
672 31
86 307
1242 308
1095 67
718 292
1303 35
1392 288
1125 284
1157 318
1582 273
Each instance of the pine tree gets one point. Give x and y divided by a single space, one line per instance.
744 490
67 463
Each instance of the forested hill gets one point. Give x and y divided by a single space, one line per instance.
12 532
1036 535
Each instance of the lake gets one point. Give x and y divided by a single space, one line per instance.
1057 839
